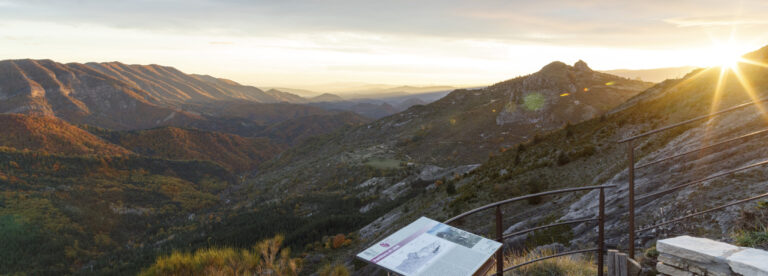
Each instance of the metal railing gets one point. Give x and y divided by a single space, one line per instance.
653 195
499 226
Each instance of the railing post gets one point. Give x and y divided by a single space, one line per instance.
499 238
601 233
631 189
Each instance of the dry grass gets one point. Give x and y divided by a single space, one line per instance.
266 258
572 265
333 270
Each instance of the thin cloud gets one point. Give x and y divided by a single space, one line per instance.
438 40
593 22
716 21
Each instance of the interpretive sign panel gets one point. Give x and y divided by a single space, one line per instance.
428 247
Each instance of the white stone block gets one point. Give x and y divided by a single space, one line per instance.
749 261
696 249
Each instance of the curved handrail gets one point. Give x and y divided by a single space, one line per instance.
736 107
632 167
506 201
550 257
548 226
745 136
665 191
703 212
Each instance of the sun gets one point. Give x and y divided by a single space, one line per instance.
725 55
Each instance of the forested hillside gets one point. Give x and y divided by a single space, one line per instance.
233 152
101 214
51 135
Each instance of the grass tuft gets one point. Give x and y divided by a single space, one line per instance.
756 239
573 265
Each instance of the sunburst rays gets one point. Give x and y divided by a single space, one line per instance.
730 70
753 62
751 91
716 98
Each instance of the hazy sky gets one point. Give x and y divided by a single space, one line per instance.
303 43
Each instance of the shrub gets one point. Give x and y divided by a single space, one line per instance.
536 139
758 239
266 257
534 187
562 158
652 252
752 227
450 188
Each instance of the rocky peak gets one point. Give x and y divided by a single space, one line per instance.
554 66
558 67
581 66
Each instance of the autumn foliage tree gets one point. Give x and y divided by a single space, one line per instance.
338 240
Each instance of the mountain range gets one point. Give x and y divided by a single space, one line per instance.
119 96
105 166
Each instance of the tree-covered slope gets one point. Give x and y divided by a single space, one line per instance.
99 214
230 151
51 135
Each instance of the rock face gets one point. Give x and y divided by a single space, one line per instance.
686 255
560 93
174 87
77 93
